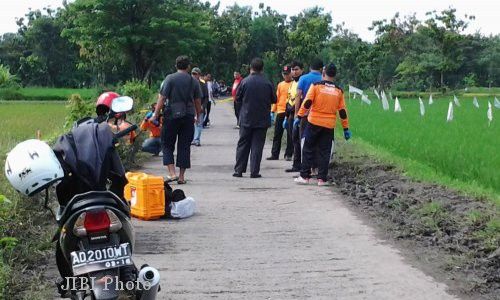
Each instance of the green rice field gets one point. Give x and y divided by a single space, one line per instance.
20 121
465 150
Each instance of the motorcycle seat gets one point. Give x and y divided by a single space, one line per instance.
93 198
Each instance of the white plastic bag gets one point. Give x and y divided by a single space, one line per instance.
183 209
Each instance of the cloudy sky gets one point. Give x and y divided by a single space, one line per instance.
356 14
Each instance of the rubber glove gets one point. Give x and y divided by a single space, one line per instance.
149 115
272 117
296 122
156 123
285 123
347 134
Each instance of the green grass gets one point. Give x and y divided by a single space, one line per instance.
44 93
21 120
462 154
25 229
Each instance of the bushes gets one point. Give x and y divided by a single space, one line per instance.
139 91
78 109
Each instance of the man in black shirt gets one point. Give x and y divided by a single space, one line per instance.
182 94
255 96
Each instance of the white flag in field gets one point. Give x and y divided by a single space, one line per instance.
476 104
397 106
449 117
496 103
455 99
385 102
430 100
422 107
489 114
376 94
365 99
355 90
354 96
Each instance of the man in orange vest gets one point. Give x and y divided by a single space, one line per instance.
280 110
153 143
323 100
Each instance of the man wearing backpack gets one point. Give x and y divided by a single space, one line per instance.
180 98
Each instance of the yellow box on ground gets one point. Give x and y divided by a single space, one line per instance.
146 195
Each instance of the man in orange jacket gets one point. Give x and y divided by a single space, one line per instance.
153 143
323 100
280 110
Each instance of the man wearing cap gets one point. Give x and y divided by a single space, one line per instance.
280 110
198 126
324 100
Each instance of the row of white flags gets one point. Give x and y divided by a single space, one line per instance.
397 106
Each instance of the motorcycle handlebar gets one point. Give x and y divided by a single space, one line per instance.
124 132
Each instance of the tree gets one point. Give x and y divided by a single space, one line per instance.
142 34
309 34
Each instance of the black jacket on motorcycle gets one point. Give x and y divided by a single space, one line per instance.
89 159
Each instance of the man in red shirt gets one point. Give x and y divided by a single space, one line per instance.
237 80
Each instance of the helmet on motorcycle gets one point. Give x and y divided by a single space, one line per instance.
104 101
32 166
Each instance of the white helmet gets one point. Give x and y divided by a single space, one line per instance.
32 166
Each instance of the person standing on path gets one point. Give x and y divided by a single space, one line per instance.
305 82
297 70
255 95
280 109
323 100
196 73
236 83
210 89
179 97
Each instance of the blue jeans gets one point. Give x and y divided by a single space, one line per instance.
152 145
198 128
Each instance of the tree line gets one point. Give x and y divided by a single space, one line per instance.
106 42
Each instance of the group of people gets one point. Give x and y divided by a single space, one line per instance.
303 105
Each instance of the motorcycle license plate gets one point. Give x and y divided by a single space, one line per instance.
93 260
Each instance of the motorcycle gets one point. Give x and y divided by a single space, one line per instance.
95 236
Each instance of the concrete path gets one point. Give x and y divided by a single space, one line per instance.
268 238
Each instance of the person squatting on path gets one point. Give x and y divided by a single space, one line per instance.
297 70
182 95
153 143
323 100
255 94
280 109
196 72
236 83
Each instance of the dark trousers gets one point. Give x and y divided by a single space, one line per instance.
251 143
278 135
317 147
297 133
207 117
183 130
237 107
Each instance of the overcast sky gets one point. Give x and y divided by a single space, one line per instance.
357 14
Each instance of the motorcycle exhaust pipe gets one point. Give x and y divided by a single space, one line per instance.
149 280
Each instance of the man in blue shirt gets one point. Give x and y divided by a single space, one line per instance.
315 75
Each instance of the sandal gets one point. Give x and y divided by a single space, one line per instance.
171 179
181 181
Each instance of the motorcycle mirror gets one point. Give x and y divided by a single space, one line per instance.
122 104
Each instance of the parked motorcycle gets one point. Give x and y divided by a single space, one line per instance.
95 237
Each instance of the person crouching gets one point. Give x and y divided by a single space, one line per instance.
153 143
323 100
